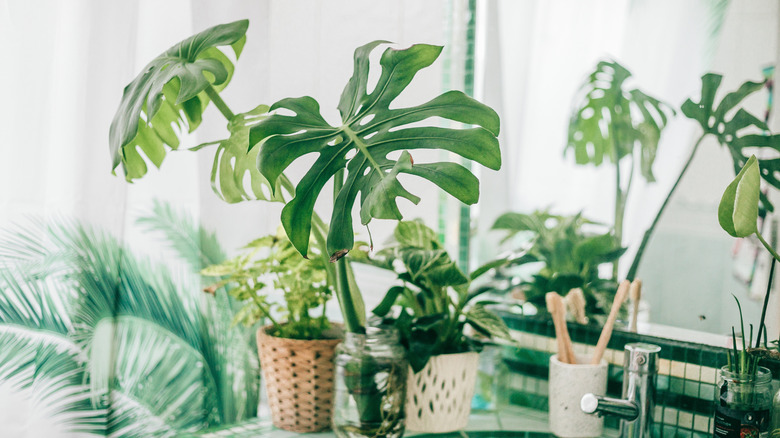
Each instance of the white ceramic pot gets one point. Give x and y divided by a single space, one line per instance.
438 398
568 383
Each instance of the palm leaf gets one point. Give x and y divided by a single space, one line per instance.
52 379
129 323
159 373
194 244
372 132
171 91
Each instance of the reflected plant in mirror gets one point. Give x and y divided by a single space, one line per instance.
557 254
613 123
735 128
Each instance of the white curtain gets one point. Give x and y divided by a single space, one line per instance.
63 71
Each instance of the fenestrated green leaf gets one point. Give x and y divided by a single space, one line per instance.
170 92
233 162
372 131
738 209
739 132
380 202
609 121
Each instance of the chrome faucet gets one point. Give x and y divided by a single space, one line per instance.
635 409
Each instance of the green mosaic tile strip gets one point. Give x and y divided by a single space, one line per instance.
686 381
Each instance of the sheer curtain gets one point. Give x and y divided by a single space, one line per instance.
148 355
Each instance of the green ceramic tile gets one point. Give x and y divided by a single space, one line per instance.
676 385
706 391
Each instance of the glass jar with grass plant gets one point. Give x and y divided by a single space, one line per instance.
744 392
744 396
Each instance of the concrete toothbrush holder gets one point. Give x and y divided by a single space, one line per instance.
567 384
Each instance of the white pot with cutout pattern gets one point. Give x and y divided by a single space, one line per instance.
438 398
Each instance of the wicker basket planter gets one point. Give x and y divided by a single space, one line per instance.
298 375
438 398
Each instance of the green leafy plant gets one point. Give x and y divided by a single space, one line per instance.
356 154
303 282
738 216
363 155
742 362
613 123
172 90
733 127
434 300
109 342
738 209
567 254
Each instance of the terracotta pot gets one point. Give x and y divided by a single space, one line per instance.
298 375
438 398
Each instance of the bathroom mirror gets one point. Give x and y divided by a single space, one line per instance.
534 56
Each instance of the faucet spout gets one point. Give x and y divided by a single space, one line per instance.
627 410
636 408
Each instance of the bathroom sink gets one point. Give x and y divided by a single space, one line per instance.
486 434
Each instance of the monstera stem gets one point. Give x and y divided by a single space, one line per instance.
339 275
646 238
219 103
343 292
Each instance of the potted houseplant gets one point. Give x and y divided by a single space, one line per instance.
569 251
744 387
296 352
432 309
357 154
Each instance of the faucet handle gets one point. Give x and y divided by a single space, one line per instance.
641 358
596 404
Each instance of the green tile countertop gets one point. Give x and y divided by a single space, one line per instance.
511 421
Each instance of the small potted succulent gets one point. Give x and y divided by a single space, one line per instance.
434 308
296 349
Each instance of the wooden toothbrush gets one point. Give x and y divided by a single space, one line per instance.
606 332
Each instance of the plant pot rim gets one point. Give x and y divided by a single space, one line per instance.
335 335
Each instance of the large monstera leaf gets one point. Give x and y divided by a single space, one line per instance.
171 91
610 121
740 131
367 142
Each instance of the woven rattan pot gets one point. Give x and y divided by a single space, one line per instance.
298 375
438 398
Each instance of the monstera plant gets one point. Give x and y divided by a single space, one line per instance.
613 123
358 154
364 154
733 127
